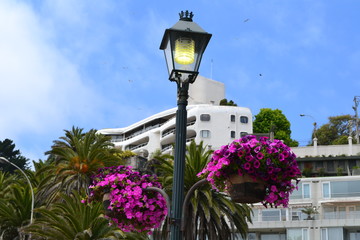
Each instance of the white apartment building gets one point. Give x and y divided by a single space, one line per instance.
337 201
206 121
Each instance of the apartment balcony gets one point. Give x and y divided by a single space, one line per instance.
169 136
167 148
171 130
139 143
301 220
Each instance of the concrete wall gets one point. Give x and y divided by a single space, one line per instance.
206 91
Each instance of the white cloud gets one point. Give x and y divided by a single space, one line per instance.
40 89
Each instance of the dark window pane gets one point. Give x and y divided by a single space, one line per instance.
244 119
205 117
330 166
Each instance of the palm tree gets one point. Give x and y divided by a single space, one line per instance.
210 214
71 219
310 212
15 207
74 159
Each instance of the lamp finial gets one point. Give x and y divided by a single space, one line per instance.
186 16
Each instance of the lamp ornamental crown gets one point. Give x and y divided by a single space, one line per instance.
186 16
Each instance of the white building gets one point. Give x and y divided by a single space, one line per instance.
206 121
337 201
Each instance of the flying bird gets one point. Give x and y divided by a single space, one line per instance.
246 20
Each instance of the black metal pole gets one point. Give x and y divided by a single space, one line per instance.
179 164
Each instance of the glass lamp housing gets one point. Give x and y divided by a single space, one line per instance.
184 45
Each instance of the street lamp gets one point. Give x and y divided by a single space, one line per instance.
315 124
183 45
2 159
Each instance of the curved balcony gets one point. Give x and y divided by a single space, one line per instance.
168 145
171 130
137 144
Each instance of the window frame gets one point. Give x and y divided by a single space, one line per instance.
203 131
326 237
305 231
323 188
244 117
303 190
205 117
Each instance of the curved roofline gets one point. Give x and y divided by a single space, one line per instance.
159 115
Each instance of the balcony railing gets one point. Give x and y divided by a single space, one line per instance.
131 148
170 146
303 217
137 133
172 130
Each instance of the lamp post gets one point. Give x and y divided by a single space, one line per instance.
183 45
315 124
2 159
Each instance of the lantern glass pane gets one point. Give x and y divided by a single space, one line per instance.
184 51
168 57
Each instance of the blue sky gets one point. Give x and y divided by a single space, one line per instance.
97 64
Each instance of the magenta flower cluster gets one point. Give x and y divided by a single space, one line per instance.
273 162
131 208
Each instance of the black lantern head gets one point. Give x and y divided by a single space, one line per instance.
184 45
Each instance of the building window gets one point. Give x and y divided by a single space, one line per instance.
244 119
293 233
319 164
324 234
252 236
273 236
243 134
205 133
205 117
343 189
232 118
354 235
232 134
306 190
341 164
334 233
330 166
305 234
298 233
326 190
352 163
271 215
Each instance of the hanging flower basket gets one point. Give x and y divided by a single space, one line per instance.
268 168
244 189
127 205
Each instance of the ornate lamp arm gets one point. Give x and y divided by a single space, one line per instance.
187 199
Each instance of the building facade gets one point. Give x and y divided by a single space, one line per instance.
214 125
326 208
